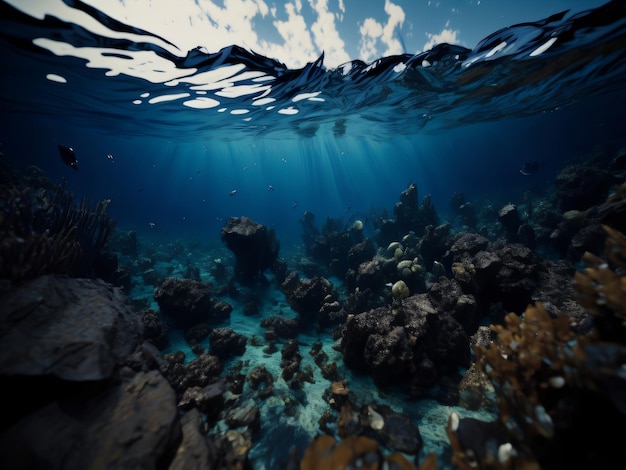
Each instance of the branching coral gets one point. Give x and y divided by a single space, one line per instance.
601 289
40 234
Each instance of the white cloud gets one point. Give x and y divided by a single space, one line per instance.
374 33
446 35
371 30
298 48
304 29
326 36
396 19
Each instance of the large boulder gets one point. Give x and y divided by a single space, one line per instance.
188 302
84 389
255 247
408 343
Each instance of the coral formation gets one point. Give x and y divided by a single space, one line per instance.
551 382
44 233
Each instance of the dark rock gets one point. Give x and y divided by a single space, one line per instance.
281 326
154 329
195 452
226 343
517 278
208 400
197 334
581 187
360 252
447 296
104 403
409 342
200 372
464 242
433 244
306 296
398 432
84 329
290 359
406 210
219 312
254 246
185 301
510 220
374 274
247 414
261 380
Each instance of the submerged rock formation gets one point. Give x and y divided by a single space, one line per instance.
85 390
410 342
255 247
83 386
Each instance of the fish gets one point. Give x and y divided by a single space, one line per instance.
68 156
270 188
530 168
233 192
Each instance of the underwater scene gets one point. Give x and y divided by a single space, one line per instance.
214 259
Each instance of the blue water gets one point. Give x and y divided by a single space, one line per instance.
450 120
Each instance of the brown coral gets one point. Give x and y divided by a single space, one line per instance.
552 386
324 453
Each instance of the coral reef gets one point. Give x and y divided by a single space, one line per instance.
550 382
44 232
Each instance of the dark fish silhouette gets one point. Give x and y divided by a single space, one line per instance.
68 156
530 168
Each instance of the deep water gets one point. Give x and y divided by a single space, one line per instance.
242 135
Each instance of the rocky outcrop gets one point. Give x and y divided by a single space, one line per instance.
410 343
254 246
309 297
84 389
188 302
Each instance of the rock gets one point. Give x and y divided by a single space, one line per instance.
99 401
408 343
226 343
83 330
247 414
200 372
306 296
208 400
254 246
185 301
510 220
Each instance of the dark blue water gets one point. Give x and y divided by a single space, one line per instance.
341 142
450 119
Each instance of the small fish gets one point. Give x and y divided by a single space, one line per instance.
270 188
233 192
295 204
151 224
68 156
530 168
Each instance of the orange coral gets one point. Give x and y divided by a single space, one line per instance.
548 381
601 290
324 453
